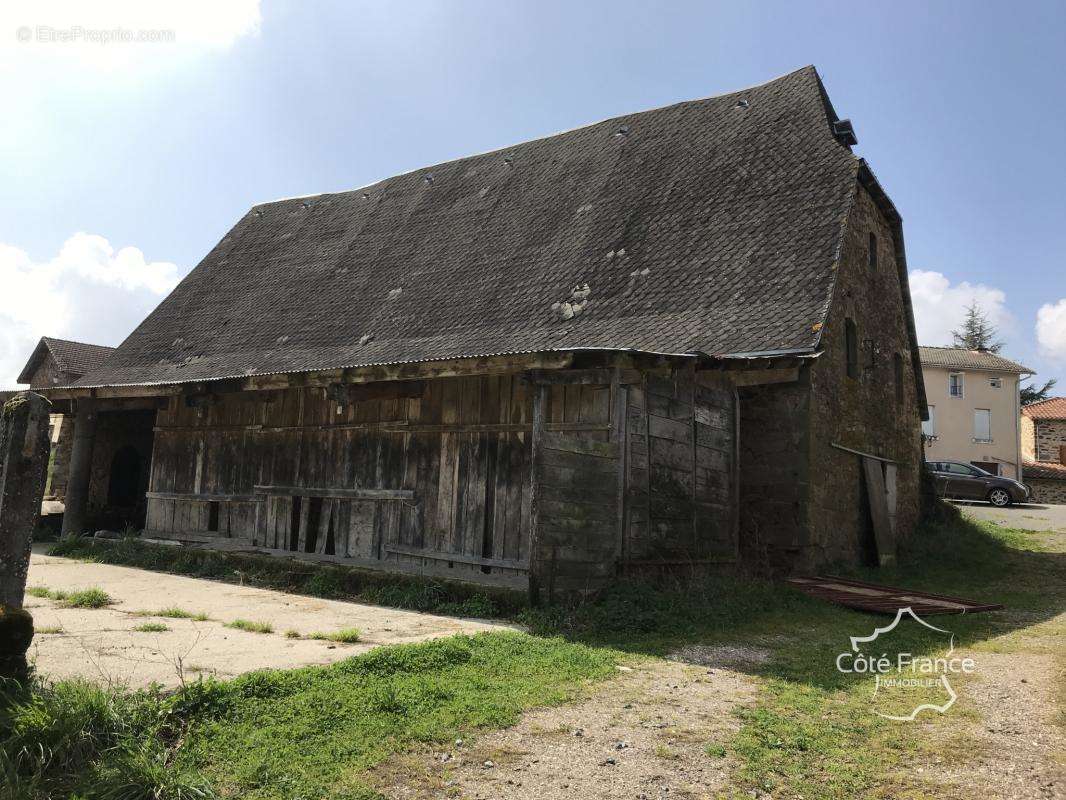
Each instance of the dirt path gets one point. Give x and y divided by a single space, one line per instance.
643 735
102 644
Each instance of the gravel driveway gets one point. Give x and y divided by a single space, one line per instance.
102 644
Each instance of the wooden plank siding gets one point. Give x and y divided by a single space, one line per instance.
392 476
681 470
437 477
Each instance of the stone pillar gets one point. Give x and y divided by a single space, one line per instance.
24 448
81 462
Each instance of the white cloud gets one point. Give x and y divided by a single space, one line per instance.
939 307
1051 330
88 292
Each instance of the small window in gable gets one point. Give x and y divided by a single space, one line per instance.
851 346
995 383
872 251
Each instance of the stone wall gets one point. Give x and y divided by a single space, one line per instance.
1050 436
61 435
868 413
1046 490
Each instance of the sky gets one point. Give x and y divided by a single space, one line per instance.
134 134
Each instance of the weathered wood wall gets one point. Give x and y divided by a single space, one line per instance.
437 476
682 482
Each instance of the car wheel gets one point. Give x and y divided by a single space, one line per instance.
999 497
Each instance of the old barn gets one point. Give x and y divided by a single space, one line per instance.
681 337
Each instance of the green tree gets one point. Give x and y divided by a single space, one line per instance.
977 331
1031 394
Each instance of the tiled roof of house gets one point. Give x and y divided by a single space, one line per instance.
957 358
1052 408
709 226
75 358
1044 469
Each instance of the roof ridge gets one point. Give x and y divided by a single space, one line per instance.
504 148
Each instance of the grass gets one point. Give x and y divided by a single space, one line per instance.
292 634
152 627
314 732
252 626
174 613
344 636
48 629
92 597
311 732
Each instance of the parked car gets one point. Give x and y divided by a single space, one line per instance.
967 482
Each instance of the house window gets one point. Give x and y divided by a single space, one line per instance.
897 362
955 384
982 425
995 383
851 342
872 251
929 425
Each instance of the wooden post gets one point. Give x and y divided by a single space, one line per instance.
540 398
81 462
24 450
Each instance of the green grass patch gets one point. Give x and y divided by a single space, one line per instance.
174 613
92 597
252 626
292 634
310 732
344 635
152 627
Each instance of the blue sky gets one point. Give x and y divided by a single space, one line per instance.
123 163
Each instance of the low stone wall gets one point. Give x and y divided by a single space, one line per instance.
1047 490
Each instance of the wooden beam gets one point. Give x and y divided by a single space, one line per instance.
761 377
341 494
206 497
585 377
458 558
540 401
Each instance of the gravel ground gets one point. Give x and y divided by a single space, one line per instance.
102 644
643 736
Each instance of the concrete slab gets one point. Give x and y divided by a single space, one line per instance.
101 644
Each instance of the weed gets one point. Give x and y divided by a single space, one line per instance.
92 597
174 612
47 629
251 626
152 627
292 634
344 635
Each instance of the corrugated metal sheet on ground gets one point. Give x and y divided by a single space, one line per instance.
884 599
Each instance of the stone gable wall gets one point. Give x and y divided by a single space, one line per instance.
862 413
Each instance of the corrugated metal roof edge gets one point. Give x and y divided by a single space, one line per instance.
801 352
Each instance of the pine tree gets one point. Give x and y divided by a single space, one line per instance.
977 332
1031 394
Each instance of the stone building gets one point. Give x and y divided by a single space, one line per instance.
676 338
1044 449
974 406
58 362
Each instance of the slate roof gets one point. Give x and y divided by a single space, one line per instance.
1049 470
709 226
1052 408
73 358
957 358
